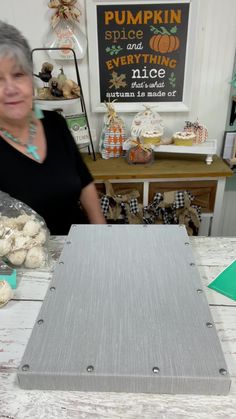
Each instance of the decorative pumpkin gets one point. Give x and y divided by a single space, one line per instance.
61 76
70 89
164 43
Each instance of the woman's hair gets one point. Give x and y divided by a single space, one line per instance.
14 45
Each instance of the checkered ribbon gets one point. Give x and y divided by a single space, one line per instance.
180 199
104 203
153 212
131 206
168 215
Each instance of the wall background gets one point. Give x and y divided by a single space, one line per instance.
213 61
214 58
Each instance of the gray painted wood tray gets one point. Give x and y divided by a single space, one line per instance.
125 311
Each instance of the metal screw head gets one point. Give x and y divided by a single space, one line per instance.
155 370
40 321
209 324
186 243
192 264
222 371
199 291
25 367
61 263
90 368
52 288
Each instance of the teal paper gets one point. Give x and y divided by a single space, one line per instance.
11 279
225 282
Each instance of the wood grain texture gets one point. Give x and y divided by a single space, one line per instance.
163 167
211 255
125 310
73 404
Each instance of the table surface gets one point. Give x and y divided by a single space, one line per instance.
17 319
165 166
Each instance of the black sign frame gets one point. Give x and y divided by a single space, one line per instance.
141 53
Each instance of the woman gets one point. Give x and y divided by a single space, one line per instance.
39 161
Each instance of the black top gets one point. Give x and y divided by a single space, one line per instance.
51 188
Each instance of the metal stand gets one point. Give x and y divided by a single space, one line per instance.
83 107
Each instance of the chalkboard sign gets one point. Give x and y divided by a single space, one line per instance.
141 52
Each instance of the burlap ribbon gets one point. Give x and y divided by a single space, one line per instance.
165 209
185 214
120 199
65 10
112 117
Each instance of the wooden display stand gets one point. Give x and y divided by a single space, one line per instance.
207 149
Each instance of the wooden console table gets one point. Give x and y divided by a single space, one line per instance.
168 172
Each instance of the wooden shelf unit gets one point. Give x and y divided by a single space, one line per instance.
169 172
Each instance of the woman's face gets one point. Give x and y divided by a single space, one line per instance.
16 91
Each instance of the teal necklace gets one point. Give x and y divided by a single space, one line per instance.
31 149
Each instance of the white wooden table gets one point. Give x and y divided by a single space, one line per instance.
17 319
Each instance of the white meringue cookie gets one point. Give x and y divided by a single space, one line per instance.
35 257
31 228
17 258
5 246
6 293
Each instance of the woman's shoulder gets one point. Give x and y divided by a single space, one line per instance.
52 120
52 116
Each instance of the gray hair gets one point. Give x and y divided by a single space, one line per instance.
14 45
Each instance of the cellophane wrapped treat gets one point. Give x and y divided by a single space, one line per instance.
148 126
23 234
113 134
139 153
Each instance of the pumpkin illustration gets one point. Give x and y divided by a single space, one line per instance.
164 43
